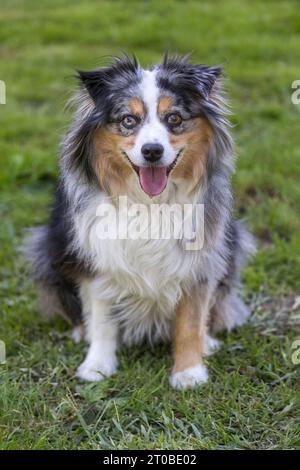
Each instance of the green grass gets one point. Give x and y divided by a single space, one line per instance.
252 398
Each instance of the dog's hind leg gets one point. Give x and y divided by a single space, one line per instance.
228 310
57 294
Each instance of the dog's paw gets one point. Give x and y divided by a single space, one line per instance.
190 377
94 371
77 334
211 345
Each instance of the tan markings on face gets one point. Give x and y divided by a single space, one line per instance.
190 330
195 142
111 167
165 105
136 107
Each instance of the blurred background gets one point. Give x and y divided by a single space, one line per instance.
42 43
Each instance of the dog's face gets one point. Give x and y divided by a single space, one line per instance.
151 123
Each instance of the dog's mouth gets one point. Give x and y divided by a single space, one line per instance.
153 178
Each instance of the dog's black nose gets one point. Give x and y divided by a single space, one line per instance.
152 152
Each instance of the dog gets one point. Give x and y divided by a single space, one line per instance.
157 136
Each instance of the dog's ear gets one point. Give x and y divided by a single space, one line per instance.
94 82
197 78
205 77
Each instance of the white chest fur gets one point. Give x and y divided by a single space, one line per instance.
141 278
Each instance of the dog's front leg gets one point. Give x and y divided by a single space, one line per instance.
101 359
189 338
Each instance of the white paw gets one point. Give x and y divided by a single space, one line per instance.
77 334
211 345
94 371
190 377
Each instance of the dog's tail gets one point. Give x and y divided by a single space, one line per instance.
56 293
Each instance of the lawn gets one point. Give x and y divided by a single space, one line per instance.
252 399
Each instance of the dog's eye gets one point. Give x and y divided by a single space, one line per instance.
129 121
174 119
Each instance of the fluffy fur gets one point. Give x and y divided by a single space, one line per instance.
126 290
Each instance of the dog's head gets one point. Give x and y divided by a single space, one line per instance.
154 125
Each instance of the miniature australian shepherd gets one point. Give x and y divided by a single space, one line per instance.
155 136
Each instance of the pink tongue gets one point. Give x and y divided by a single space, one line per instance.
153 179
